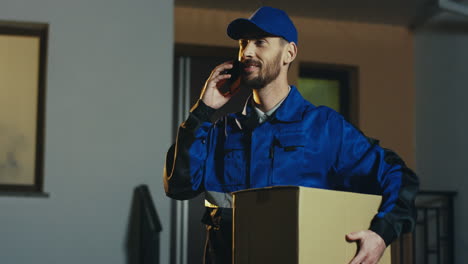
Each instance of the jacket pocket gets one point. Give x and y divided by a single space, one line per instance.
234 161
287 153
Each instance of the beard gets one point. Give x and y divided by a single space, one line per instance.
270 73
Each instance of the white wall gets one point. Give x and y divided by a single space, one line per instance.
108 126
441 74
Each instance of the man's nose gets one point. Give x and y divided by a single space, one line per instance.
248 51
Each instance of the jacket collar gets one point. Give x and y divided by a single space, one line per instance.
289 111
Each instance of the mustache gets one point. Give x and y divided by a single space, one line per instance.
251 62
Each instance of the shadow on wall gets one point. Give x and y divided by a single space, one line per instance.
142 243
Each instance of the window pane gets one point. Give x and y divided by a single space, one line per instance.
321 92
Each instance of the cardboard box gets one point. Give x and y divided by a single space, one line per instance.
290 225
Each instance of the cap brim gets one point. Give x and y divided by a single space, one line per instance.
242 27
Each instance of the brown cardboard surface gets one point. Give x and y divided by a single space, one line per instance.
266 226
325 217
299 225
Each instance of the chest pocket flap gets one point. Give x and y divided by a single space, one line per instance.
288 158
290 141
233 142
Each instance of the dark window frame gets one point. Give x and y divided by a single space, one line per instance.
40 30
346 75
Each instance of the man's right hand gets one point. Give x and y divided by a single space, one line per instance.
210 94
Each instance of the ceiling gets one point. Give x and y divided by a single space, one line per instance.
392 12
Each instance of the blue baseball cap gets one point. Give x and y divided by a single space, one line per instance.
266 19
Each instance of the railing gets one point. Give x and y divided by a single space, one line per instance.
432 241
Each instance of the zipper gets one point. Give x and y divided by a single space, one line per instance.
272 157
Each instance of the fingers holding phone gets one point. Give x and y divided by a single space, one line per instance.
230 86
221 85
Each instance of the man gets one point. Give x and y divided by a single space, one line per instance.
281 139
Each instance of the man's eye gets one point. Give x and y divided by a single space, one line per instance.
260 42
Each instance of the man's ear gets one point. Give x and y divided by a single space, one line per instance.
291 52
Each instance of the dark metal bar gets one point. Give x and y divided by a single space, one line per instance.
450 225
414 244
402 241
438 193
438 234
426 238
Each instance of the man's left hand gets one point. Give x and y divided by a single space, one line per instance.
371 247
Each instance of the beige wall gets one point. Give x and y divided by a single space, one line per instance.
383 54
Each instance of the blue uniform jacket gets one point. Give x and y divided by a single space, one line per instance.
301 145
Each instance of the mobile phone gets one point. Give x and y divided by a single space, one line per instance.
235 73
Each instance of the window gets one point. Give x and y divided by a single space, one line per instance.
330 85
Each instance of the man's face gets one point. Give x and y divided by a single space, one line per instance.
261 60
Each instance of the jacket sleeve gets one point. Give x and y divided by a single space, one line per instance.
363 166
185 160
